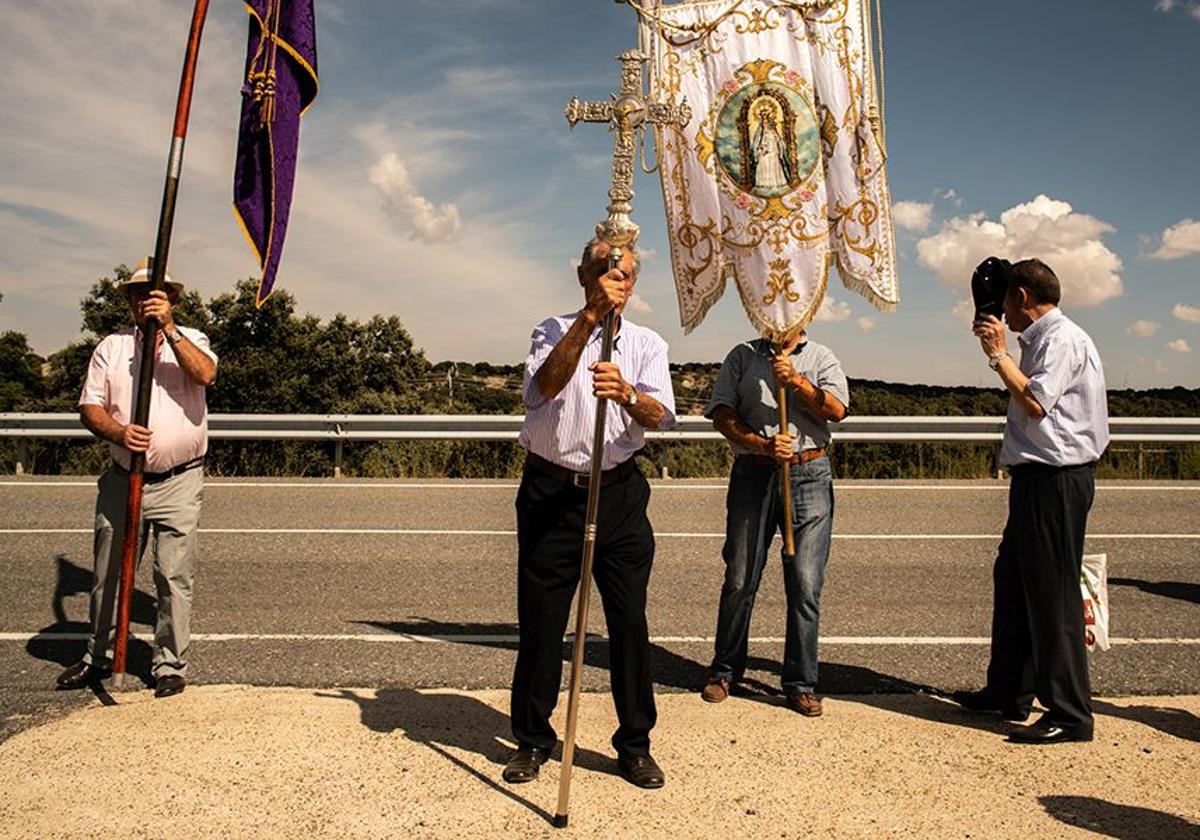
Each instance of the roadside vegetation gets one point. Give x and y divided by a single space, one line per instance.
275 361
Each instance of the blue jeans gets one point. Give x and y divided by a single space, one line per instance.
753 506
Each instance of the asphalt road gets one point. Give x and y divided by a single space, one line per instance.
412 584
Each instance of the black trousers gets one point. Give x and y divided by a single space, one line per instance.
1037 613
550 521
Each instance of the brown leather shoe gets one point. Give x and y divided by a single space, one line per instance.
80 675
523 765
715 690
641 770
804 702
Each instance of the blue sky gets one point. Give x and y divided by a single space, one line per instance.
438 180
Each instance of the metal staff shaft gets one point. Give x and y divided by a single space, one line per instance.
585 577
141 410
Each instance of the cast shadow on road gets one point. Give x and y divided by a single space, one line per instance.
72 580
1178 590
672 670
444 722
1114 820
1178 723
856 684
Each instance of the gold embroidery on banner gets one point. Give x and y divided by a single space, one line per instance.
758 22
829 131
708 252
780 281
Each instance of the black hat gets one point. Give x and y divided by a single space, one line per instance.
989 284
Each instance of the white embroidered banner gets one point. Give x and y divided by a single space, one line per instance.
780 173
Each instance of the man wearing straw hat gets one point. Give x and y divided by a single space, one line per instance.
743 408
175 443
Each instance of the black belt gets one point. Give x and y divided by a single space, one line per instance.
155 477
540 465
1033 468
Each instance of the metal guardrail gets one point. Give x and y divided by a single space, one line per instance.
340 428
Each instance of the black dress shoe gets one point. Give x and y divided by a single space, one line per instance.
169 684
524 764
641 770
81 675
983 701
1049 733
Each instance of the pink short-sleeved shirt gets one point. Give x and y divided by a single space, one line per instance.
178 413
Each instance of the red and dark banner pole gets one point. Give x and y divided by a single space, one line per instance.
141 408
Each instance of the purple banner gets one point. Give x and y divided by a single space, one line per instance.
280 83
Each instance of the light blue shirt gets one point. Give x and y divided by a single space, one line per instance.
1066 377
561 429
746 384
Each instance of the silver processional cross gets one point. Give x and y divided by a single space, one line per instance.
627 113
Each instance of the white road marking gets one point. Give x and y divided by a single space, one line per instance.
474 638
486 532
657 485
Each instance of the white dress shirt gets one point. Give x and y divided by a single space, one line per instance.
561 429
178 414
1066 377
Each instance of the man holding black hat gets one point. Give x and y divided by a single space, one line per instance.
175 443
1057 428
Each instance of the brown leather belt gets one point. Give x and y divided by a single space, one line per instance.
540 465
797 457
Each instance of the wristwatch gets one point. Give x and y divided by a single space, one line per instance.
994 361
174 336
632 401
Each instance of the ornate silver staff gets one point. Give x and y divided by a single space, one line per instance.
626 114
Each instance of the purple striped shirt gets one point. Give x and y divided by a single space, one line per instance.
561 429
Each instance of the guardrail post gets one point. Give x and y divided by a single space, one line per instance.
337 450
22 455
1141 461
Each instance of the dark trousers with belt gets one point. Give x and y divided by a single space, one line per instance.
550 521
1037 614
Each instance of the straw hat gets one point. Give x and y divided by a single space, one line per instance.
141 274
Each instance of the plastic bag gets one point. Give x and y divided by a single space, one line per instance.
1093 585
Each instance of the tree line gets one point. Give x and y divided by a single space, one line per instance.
276 361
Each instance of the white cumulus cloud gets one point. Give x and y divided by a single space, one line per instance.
401 197
1186 313
963 310
637 303
912 215
1189 7
866 324
1178 241
833 310
1179 345
1070 242
1143 328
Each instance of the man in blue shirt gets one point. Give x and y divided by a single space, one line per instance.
1057 429
744 409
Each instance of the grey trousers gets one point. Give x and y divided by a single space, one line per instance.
170 517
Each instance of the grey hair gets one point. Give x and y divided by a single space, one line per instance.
589 249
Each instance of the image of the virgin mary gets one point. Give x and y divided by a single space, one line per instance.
772 162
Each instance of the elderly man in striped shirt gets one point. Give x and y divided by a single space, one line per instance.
563 379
